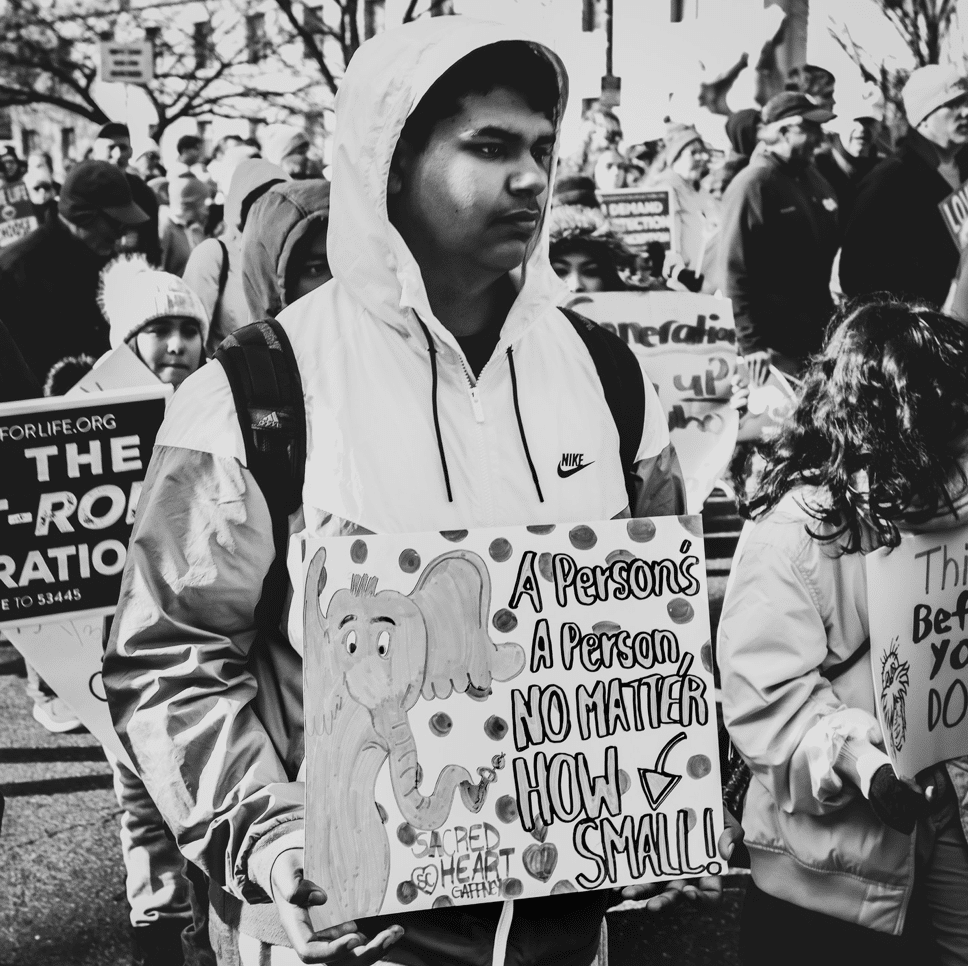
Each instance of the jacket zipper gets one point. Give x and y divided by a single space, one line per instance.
478 409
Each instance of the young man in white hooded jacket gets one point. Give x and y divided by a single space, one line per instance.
442 388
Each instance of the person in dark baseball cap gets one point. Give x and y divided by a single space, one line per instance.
96 204
49 279
792 105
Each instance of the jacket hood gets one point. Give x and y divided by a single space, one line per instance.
741 129
384 82
275 224
248 177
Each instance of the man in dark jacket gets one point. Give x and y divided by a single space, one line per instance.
779 238
113 143
896 240
49 279
852 155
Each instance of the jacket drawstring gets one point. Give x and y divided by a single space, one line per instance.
432 349
517 413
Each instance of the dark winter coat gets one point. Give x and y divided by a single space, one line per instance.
896 240
48 297
845 175
777 244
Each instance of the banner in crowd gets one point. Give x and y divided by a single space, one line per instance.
509 712
641 217
954 210
121 368
918 601
687 345
16 213
68 657
72 474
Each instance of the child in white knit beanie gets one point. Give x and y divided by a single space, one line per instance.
157 315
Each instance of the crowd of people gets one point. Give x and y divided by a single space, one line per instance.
419 290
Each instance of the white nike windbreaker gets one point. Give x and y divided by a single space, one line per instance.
211 711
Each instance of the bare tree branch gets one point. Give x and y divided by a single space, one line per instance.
47 59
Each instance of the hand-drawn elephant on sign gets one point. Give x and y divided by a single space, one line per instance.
369 659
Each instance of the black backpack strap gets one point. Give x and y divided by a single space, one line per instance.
623 385
223 274
262 372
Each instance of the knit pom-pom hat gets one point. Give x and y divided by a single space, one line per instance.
132 294
574 224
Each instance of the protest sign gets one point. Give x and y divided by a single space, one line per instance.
918 601
508 712
121 368
72 473
68 657
641 218
127 63
16 213
687 344
954 210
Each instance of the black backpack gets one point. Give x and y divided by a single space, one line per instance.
262 371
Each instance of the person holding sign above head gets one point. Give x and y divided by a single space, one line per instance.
441 387
846 858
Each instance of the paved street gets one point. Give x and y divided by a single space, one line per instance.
61 883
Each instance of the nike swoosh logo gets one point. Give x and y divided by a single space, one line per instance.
564 473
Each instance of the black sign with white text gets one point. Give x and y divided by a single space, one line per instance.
72 476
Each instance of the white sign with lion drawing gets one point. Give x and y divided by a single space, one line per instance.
918 601
505 713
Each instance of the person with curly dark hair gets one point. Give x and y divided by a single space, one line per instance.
844 855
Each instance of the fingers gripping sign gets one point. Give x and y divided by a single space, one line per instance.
294 896
706 891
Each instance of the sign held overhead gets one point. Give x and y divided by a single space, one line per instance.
130 63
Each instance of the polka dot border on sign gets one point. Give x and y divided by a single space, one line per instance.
680 610
506 809
409 561
606 627
544 566
692 525
698 766
454 536
504 620
359 551
621 554
496 727
582 537
406 892
706 656
512 888
500 550
406 834
441 724
641 529
541 529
